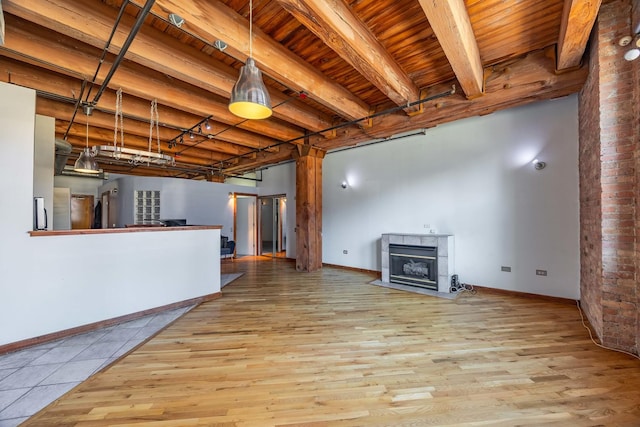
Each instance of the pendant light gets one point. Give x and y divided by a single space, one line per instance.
86 163
249 96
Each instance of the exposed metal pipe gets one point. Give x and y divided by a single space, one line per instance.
115 64
106 46
349 123
388 139
75 109
125 46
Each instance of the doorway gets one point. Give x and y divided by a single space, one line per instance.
244 219
81 211
273 236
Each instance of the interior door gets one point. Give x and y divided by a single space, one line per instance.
272 226
81 211
106 204
245 225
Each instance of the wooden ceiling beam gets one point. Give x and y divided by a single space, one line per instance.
262 160
101 136
335 24
34 77
143 83
93 23
529 79
78 143
48 107
451 24
216 21
578 18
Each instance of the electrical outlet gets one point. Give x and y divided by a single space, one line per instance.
427 226
344 251
505 268
541 272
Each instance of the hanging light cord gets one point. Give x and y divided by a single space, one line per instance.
250 28
119 121
154 121
87 131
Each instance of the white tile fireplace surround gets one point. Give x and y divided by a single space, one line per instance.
444 243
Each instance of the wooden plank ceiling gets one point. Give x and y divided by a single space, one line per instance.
339 72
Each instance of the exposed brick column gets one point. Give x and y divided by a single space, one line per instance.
590 192
609 184
636 137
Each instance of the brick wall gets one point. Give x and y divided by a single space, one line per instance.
590 202
636 137
609 184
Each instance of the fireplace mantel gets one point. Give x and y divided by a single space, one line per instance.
444 243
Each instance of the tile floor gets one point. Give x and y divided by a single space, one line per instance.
32 378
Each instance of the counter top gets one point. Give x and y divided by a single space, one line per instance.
121 230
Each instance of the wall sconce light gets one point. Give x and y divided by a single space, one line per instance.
344 184
538 165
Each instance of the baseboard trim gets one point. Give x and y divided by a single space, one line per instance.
525 295
376 273
20 345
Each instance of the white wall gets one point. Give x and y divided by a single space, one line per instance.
199 202
471 178
52 283
79 185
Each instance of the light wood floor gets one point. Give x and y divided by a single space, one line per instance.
318 349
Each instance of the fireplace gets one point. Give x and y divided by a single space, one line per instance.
414 265
426 258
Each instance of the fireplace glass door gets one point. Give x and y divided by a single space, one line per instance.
414 265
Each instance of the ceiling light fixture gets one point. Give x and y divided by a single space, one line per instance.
249 96
192 132
86 163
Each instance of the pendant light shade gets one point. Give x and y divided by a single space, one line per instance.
86 163
249 96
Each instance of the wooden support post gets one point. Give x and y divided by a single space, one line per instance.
309 208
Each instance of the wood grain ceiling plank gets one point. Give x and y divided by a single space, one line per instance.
27 76
93 23
451 24
171 121
79 142
578 18
528 79
143 85
199 147
214 20
335 24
